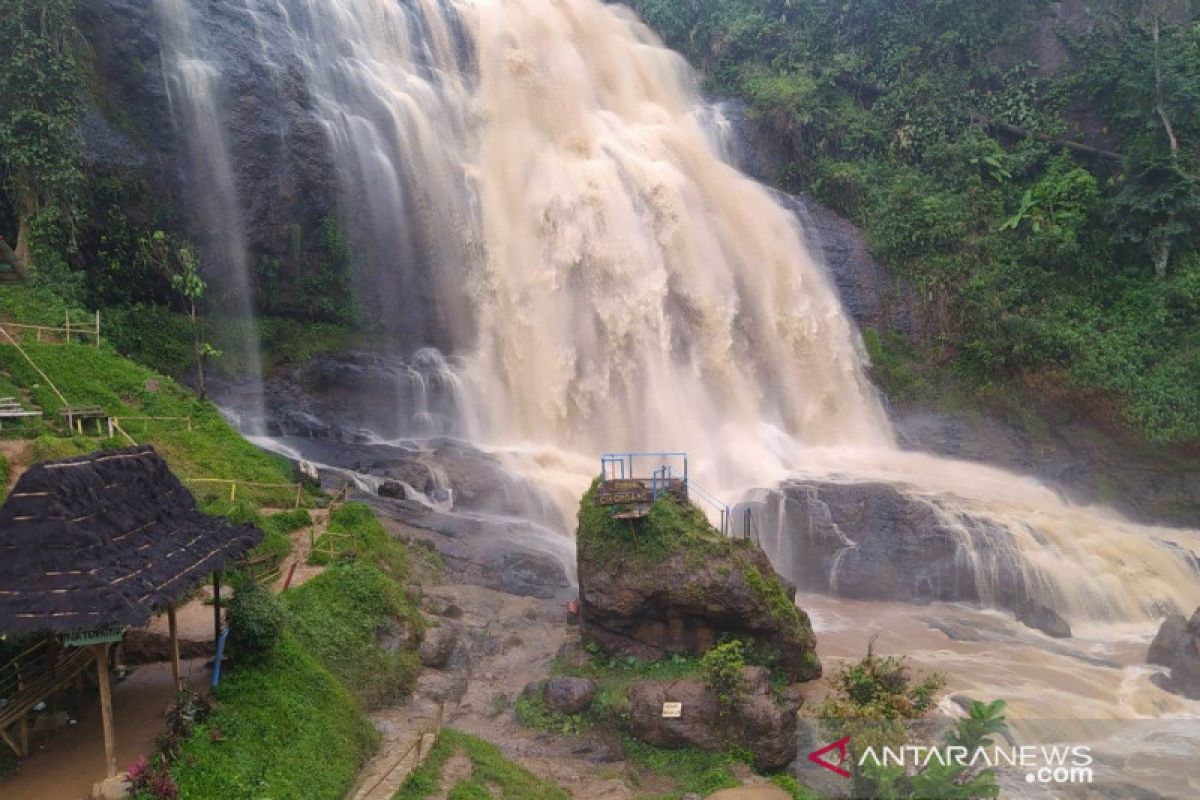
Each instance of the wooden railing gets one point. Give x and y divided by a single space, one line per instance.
234 483
52 333
434 729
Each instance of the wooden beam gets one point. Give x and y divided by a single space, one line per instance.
174 633
106 712
216 606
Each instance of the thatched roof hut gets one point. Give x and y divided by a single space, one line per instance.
105 540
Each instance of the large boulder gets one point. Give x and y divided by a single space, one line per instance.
759 722
1177 645
569 695
680 587
875 541
1043 618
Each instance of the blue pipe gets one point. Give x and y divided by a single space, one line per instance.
220 654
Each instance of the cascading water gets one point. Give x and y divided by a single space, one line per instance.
193 87
538 190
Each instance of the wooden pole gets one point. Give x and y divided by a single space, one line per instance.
173 629
68 313
216 605
97 327
106 712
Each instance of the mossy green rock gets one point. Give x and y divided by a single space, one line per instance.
670 584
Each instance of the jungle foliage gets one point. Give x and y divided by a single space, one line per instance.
1047 213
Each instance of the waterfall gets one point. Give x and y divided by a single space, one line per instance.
193 87
541 194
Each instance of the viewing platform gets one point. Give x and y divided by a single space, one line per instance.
635 480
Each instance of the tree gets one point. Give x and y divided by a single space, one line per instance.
181 264
40 108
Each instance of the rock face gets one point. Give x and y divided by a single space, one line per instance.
872 541
685 602
759 722
1177 645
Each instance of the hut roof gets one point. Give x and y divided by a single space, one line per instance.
105 539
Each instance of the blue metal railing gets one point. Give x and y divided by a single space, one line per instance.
614 466
715 502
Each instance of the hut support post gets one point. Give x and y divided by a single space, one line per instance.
106 712
173 627
216 605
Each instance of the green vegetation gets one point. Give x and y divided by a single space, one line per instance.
492 776
255 622
1073 269
286 728
722 670
670 529
355 531
40 109
691 770
340 615
292 724
875 702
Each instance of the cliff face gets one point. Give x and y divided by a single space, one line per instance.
278 153
668 583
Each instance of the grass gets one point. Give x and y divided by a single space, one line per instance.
669 529
492 777
284 729
338 616
357 532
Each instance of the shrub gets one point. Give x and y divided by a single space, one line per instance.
255 622
722 670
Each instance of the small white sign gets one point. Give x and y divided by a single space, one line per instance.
672 710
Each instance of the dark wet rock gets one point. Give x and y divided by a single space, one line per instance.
872 541
569 695
1043 618
438 645
532 574
392 489
1177 646
760 723
1069 453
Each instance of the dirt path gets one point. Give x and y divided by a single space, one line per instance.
505 643
302 542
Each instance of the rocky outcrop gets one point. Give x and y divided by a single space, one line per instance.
874 541
1043 618
1177 646
686 601
759 722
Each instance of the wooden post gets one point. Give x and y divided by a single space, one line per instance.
68 313
232 491
110 427
97 327
173 629
79 425
298 488
216 605
106 712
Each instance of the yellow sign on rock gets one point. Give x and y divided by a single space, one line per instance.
672 710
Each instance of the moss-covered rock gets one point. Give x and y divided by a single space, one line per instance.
669 583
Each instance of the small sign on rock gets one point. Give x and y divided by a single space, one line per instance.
672 710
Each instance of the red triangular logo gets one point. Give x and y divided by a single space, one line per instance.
840 747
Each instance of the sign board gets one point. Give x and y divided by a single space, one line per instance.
672 710
623 492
